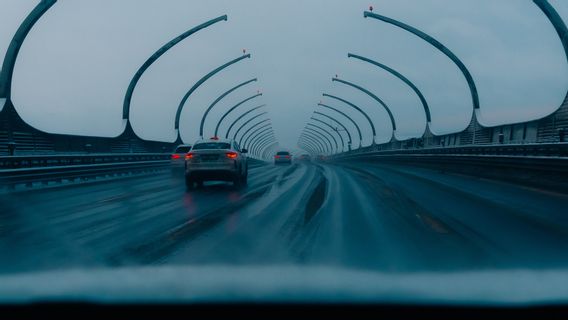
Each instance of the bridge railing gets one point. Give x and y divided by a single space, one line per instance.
517 149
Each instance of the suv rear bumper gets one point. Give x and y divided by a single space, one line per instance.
219 172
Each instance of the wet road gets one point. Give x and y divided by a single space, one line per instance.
374 217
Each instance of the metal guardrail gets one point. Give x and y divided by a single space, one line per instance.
16 162
28 176
27 170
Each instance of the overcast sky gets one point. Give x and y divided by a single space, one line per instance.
75 65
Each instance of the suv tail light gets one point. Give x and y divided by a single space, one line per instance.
175 156
189 156
276 157
232 155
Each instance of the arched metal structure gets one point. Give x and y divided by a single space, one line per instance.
372 95
358 109
438 45
265 148
221 97
250 129
314 145
556 21
307 148
254 145
233 109
309 129
333 130
9 62
402 78
263 134
200 82
255 134
240 117
325 145
258 147
316 141
348 117
247 122
311 125
156 56
350 142
311 145
254 130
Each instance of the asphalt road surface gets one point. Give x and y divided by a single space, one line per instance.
372 217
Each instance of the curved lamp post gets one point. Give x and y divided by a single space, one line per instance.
156 56
402 78
325 146
200 82
335 129
372 95
311 130
221 97
247 122
438 45
322 130
242 116
358 109
9 61
232 109
348 117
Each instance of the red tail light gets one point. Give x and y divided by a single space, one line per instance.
189 156
288 157
175 156
232 155
276 157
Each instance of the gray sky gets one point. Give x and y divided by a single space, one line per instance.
76 64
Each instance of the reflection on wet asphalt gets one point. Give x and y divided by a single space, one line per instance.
378 217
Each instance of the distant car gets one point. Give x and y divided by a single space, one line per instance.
216 160
282 157
178 157
305 158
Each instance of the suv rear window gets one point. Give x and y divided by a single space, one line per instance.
212 146
283 153
185 149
